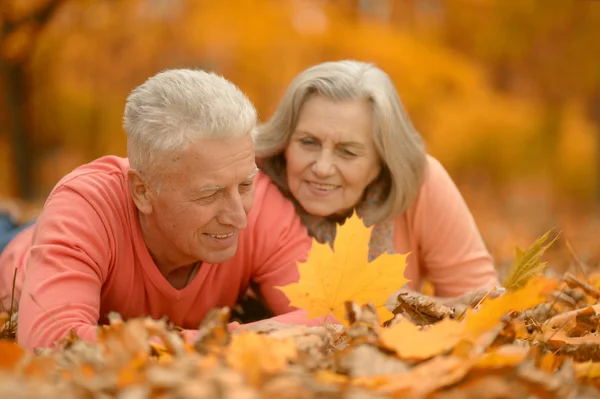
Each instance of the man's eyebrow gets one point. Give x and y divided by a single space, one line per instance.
251 175
209 188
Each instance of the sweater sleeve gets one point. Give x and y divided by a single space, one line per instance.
453 253
70 255
282 241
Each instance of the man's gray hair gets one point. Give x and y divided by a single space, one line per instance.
178 106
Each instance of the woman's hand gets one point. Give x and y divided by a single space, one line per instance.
472 298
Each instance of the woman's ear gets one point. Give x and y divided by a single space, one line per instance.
140 191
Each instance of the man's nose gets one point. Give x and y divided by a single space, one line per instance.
233 213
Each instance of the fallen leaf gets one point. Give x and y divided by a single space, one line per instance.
575 282
421 308
527 263
427 377
257 355
329 277
489 315
504 356
587 371
10 354
411 342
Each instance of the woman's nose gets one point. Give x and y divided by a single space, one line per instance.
323 166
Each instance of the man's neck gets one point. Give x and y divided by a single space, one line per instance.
179 272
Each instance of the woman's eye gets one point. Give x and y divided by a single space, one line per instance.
348 153
308 142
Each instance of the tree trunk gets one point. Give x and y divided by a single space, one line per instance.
594 115
14 78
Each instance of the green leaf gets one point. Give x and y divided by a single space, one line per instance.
527 263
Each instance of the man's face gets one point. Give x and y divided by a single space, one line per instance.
206 194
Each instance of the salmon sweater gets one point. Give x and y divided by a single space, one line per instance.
85 257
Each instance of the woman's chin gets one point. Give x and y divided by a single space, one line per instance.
319 210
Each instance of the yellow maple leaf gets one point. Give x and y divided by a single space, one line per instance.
489 315
411 342
330 277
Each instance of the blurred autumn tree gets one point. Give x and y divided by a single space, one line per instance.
483 101
20 25
548 50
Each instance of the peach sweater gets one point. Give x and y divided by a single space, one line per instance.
445 244
86 257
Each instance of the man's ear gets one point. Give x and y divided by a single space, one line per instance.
140 191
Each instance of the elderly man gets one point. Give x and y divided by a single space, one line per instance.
180 226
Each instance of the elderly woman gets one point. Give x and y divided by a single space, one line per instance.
341 141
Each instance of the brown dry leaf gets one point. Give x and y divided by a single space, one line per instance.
427 377
567 320
257 355
561 337
411 342
368 361
541 384
420 308
581 349
489 315
575 282
586 322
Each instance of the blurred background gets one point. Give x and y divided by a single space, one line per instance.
505 92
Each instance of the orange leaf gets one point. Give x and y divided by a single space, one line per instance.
10 354
330 278
504 356
411 342
587 371
257 355
489 315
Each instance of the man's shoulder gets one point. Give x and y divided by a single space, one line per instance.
96 176
101 184
268 199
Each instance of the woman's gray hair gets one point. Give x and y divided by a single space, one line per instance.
398 144
178 106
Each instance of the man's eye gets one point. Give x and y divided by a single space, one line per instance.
246 186
207 198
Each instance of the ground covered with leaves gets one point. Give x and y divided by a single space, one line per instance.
537 340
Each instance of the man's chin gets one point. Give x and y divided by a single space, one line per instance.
220 256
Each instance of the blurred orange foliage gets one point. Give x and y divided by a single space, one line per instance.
505 93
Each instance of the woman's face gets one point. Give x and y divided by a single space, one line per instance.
331 157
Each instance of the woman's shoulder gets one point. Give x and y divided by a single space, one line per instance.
437 189
435 172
